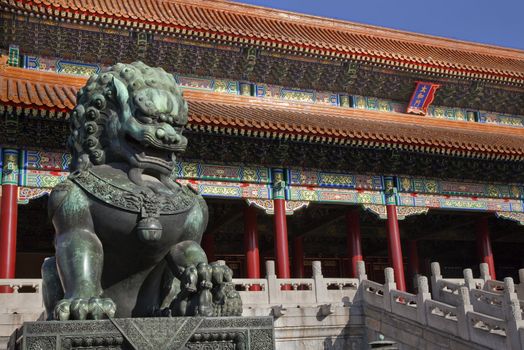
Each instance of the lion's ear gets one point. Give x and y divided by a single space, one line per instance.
120 91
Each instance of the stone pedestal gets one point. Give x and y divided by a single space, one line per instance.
162 333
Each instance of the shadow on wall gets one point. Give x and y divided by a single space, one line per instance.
353 336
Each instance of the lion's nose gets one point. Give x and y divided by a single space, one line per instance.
160 133
145 103
167 136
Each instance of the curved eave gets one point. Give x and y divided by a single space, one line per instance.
257 117
249 116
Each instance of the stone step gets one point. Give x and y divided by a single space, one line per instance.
3 342
10 322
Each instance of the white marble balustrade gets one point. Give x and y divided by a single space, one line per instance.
482 312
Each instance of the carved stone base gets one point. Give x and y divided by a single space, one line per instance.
162 333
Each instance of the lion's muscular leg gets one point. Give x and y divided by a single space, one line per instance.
188 262
79 255
52 290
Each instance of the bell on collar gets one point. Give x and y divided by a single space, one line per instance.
149 229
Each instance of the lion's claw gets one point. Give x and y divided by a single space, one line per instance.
83 308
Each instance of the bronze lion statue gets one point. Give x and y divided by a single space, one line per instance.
127 234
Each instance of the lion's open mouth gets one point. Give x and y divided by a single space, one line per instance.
146 152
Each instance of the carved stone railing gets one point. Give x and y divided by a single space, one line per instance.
253 291
487 296
446 290
293 292
373 293
476 310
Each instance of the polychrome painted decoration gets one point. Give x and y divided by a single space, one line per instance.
10 167
14 55
335 195
42 178
435 186
450 113
229 189
41 160
216 172
501 119
293 94
208 84
422 97
301 177
462 203
377 104
61 66
77 68
25 194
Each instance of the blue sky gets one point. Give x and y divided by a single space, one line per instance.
496 22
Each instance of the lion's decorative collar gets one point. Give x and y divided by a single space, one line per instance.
145 203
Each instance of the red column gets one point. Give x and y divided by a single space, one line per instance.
298 250
281 243
353 240
208 244
484 245
394 246
251 244
8 216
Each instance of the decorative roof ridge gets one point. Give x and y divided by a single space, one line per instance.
299 33
361 28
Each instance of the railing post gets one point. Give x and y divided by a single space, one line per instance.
361 271
514 319
508 295
512 314
435 280
463 308
484 273
468 279
320 285
389 285
273 288
520 287
422 296
362 276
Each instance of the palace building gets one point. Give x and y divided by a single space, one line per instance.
315 105
311 139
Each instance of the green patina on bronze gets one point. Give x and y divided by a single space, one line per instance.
127 234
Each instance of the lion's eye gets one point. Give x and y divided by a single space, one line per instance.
137 84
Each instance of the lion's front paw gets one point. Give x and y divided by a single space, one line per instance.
83 308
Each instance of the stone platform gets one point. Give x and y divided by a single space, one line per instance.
161 333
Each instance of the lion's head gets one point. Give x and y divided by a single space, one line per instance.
129 113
